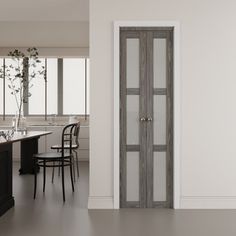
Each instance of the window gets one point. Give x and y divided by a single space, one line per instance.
42 92
1 90
37 99
87 88
52 86
64 92
73 83
10 101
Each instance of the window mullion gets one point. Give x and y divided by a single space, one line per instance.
45 87
60 86
4 89
26 86
85 100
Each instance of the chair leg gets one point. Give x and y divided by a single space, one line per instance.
59 171
77 163
53 171
73 164
44 175
71 174
59 168
35 177
62 179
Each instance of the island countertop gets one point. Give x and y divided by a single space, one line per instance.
19 137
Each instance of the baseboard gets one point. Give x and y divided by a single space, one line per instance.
208 202
100 202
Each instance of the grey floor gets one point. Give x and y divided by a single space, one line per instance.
48 216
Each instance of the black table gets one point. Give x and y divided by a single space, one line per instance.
29 146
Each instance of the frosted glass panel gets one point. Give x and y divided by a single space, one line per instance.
10 101
132 176
37 99
1 89
132 119
52 86
159 176
159 63
73 86
132 66
159 107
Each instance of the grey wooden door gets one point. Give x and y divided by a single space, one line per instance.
146 117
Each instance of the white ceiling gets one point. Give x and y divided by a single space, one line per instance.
44 10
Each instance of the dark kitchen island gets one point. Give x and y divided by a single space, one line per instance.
29 146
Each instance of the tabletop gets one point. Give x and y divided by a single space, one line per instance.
18 136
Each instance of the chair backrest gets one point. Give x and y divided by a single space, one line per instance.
68 134
76 134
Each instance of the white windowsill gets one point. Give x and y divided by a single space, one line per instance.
40 121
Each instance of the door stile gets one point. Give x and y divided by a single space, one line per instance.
149 105
143 125
169 131
123 128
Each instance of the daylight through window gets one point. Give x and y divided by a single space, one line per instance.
64 92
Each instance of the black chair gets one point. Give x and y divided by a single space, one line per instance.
62 158
74 147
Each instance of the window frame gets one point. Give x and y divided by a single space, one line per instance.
59 92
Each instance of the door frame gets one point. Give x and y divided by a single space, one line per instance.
176 106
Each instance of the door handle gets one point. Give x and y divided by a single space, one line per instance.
142 119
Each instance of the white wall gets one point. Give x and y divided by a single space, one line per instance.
44 10
73 34
208 97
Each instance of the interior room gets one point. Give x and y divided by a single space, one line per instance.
117 117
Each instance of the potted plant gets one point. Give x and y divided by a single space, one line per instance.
25 67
